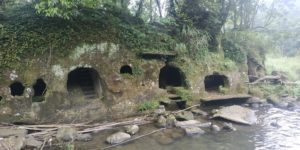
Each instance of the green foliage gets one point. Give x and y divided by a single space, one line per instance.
196 42
70 147
239 44
278 90
149 105
289 65
184 93
26 34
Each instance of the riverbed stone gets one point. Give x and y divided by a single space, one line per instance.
161 122
12 142
193 131
198 111
228 126
215 128
277 102
171 121
160 111
30 142
117 138
84 137
132 129
66 134
237 114
185 115
188 123
164 140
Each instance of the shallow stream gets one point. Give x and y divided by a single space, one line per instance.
277 129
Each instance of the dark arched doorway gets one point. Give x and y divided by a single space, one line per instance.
84 81
39 87
126 70
17 89
214 82
170 76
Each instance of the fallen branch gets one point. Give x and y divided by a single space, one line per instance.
138 137
265 78
186 109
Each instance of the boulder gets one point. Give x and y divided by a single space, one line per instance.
66 134
117 138
277 102
132 129
255 100
161 122
84 137
30 142
193 131
185 115
237 114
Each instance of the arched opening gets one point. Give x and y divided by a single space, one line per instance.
17 89
126 70
1 98
39 87
84 81
214 82
170 76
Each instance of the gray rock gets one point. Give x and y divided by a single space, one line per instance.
198 111
6 132
84 137
277 102
255 100
161 121
118 138
228 126
33 143
205 125
185 115
66 134
193 131
161 110
12 142
215 128
171 121
237 114
164 140
132 129
187 124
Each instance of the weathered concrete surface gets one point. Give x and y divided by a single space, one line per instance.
225 97
237 114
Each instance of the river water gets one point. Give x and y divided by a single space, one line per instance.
277 129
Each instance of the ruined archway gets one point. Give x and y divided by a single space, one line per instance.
17 89
126 69
214 82
170 76
84 81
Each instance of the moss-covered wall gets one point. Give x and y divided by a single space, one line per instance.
35 48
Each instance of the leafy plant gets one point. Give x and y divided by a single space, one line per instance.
149 105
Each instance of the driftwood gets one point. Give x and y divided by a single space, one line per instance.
266 78
45 132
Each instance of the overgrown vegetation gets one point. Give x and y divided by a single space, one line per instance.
288 65
268 90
